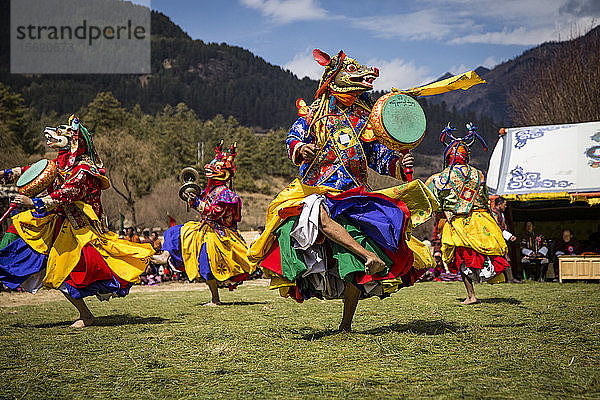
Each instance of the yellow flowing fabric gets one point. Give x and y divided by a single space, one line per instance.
477 231
127 260
463 81
419 200
226 253
291 196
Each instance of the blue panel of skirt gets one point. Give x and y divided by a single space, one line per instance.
172 244
18 261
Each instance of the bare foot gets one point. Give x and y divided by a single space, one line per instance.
83 322
373 264
469 300
212 304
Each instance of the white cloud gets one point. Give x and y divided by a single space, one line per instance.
519 36
286 11
459 69
303 64
399 74
490 62
506 22
420 25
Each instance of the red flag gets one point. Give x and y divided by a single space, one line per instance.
171 221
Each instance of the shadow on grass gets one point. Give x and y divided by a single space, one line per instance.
238 303
106 320
496 300
519 325
418 327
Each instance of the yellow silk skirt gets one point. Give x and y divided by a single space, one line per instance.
226 251
419 200
478 231
127 260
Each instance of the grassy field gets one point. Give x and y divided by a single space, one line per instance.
530 341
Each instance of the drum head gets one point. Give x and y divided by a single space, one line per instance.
32 172
403 119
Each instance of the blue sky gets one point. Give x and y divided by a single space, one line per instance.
411 42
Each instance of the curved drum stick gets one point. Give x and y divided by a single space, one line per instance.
7 213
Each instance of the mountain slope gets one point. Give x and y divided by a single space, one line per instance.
210 78
491 99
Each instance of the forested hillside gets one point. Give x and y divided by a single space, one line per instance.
210 78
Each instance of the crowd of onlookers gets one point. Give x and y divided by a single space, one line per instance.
537 252
154 273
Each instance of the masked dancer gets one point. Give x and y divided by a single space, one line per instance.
63 241
212 249
327 234
472 242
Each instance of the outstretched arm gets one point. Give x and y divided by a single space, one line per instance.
388 162
73 189
196 203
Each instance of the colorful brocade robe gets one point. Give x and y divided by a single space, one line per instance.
459 190
350 148
212 248
471 235
222 207
83 182
64 243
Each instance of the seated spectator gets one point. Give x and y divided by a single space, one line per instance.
156 243
131 236
566 245
145 237
534 249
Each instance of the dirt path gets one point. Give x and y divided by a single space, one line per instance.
15 299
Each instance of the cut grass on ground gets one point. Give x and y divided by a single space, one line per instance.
530 341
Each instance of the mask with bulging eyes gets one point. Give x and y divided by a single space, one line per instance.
59 138
222 167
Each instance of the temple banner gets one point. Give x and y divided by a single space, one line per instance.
546 159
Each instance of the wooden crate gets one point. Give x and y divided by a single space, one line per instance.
578 267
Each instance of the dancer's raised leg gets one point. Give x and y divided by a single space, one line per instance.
338 234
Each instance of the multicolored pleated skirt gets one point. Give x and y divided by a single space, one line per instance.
84 261
474 244
209 251
302 263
